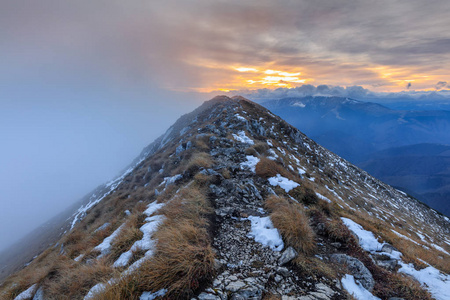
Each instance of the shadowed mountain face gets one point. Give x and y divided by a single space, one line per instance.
232 202
423 170
358 131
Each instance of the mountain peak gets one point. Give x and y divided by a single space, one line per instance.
234 203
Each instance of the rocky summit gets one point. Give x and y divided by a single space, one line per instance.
232 202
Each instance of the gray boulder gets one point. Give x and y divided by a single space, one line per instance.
389 264
357 268
288 255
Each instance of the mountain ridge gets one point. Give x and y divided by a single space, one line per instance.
232 202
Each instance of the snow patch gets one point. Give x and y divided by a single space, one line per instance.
241 137
433 280
95 290
404 237
356 289
323 197
28 293
79 257
436 283
105 246
251 163
104 226
171 180
146 243
439 248
239 117
151 296
263 232
152 208
283 182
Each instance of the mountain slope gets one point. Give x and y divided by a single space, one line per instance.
234 203
361 131
422 168
374 126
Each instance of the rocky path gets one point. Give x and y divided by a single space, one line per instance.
246 269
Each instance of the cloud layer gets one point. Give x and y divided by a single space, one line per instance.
354 92
199 44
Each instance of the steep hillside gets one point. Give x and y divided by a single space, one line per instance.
423 169
234 203
362 132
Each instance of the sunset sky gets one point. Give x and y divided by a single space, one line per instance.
202 45
86 84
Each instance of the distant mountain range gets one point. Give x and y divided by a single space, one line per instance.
405 148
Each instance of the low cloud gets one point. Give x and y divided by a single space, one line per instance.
354 92
440 85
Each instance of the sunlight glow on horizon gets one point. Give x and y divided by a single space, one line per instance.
392 79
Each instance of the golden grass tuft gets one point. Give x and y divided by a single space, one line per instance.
74 280
183 259
304 194
266 168
123 242
293 224
399 285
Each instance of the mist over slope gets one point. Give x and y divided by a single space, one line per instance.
363 133
232 202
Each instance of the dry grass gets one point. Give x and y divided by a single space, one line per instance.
202 180
398 285
268 168
21 281
129 234
199 160
387 284
304 194
270 296
70 280
183 259
292 223
257 149
314 267
202 143
411 252
192 162
226 173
